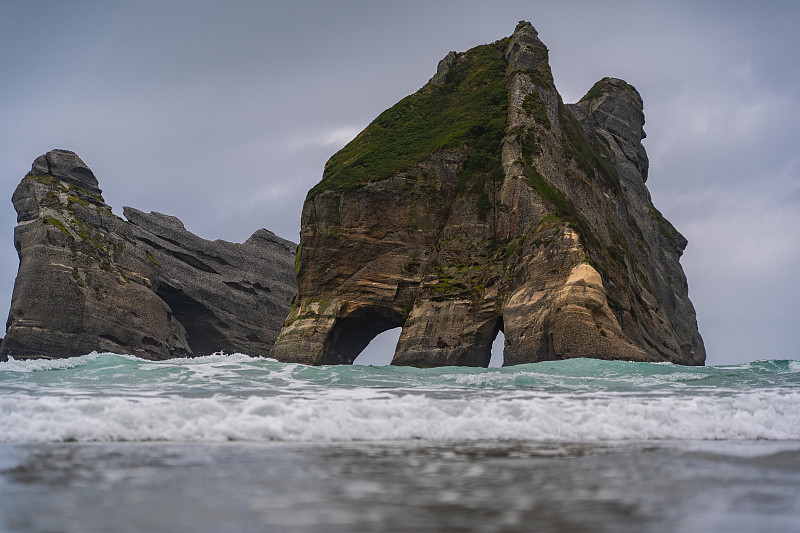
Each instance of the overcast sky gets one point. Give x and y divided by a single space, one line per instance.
224 113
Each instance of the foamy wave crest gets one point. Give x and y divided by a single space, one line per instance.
215 358
40 365
771 415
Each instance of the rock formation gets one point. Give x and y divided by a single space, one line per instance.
483 203
89 280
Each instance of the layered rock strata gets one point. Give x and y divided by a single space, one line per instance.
483 203
89 280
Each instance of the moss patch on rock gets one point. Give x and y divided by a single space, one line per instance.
50 221
591 157
467 111
664 226
533 105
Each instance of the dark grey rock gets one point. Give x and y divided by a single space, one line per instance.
230 297
89 280
68 167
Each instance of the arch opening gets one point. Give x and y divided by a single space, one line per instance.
380 350
498 345
351 334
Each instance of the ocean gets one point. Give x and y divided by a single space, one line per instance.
106 442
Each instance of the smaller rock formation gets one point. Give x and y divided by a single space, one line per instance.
89 280
227 296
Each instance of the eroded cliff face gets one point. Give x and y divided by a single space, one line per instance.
484 203
89 280
228 296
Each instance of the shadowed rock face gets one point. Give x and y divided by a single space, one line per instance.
228 296
89 280
483 203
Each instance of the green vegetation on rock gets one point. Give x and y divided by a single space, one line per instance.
297 260
468 111
530 144
664 226
533 105
50 221
562 205
589 156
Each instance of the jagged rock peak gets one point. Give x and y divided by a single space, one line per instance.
264 235
614 87
527 54
66 166
153 220
614 109
443 68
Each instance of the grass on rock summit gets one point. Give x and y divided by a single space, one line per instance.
467 111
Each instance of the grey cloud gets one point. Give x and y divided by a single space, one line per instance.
224 115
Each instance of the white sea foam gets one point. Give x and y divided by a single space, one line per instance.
373 415
39 365
104 397
216 359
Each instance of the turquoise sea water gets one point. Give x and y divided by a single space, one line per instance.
229 442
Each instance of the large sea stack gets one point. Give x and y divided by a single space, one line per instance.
89 280
483 203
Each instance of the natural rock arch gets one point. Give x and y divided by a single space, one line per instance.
484 202
352 333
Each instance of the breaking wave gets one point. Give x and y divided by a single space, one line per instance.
105 397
